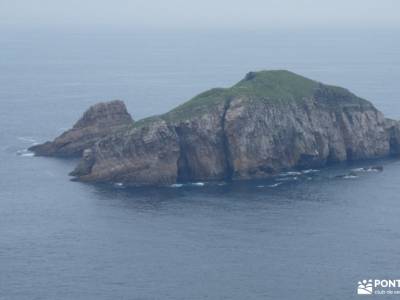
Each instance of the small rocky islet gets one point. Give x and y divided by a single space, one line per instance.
267 123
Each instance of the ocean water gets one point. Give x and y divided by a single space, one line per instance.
299 236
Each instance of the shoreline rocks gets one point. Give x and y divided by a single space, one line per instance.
98 121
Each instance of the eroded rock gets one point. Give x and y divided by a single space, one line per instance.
98 121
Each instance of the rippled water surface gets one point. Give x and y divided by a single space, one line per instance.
300 236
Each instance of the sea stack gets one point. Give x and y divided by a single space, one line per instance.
100 120
270 121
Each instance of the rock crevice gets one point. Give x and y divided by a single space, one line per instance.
225 143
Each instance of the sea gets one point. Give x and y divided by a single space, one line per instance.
302 235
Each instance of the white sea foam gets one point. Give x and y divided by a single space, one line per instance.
176 185
369 169
358 170
350 176
28 154
275 184
25 153
179 185
372 170
309 171
291 173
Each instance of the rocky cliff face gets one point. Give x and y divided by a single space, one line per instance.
97 122
269 122
331 126
142 155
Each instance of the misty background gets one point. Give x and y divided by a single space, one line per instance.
184 14
155 55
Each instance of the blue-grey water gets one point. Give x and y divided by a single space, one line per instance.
311 237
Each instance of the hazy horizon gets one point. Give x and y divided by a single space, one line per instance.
179 14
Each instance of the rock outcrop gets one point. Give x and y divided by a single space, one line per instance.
268 122
98 121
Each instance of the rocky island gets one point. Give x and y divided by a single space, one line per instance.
271 121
